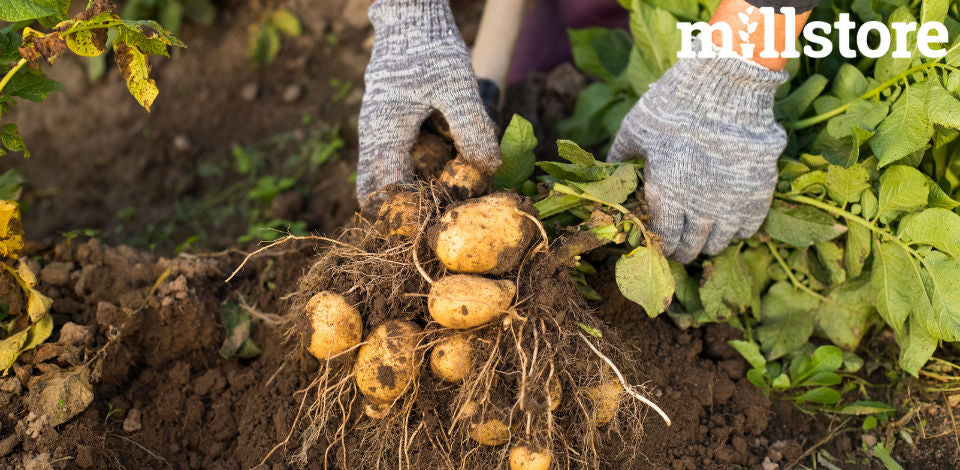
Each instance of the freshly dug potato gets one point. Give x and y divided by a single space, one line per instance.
484 236
332 324
492 432
398 214
524 457
463 179
556 394
386 363
462 301
376 410
451 359
430 154
606 400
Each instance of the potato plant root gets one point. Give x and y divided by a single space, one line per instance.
518 364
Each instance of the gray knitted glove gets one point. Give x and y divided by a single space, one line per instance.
419 62
711 144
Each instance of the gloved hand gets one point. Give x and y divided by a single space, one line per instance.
419 62
707 132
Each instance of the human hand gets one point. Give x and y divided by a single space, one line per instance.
419 63
707 132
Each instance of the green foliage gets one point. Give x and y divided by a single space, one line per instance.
171 13
517 146
267 34
864 230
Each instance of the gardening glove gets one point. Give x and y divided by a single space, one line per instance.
707 132
419 63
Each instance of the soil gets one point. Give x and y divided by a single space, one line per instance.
148 323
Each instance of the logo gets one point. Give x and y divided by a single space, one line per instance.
816 33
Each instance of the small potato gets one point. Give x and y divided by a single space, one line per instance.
398 215
386 364
524 457
332 325
463 179
376 410
462 301
492 432
555 393
451 358
430 154
606 400
487 235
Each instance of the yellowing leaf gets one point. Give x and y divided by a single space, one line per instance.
87 42
286 22
37 304
60 395
13 346
644 277
136 71
11 230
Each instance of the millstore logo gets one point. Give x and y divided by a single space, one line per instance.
871 39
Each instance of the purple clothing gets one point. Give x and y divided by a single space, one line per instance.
543 42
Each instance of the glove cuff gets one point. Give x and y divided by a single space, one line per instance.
408 20
730 82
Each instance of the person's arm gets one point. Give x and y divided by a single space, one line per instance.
493 48
707 132
729 12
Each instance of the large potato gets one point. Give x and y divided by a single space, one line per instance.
462 301
452 357
606 400
524 457
331 324
386 363
487 235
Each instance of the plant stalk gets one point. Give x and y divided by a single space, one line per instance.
11 73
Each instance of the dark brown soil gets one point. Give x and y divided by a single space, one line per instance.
164 397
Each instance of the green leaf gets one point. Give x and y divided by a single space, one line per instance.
644 277
801 225
601 52
860 408
32 86
687 288
264 45
905 130
943 108
750 351
285 21
869 204
916 346
655 36
939 198
816 179
12 140
941 278
888 66
572 152
557 203
787 320
615 189
238 325
517 147
725 285
849 83
591 330
937 227
822 396
902 189
19 10
830 255
857 249
844 151
863 114
934 10
897 283
11 185
846 184
797 102
584 125
881 452
848 314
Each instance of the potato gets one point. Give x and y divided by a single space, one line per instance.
492 432
332 324
524 457
484 236
462 301
386 364
398 215
555 393
452 357
376 410
606 400
463 179
430 154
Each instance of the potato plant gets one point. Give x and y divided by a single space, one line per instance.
37 33
864 230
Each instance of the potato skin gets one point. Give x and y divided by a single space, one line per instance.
555 393
398 215
606 400
333 325
463 180
386 364
486 235
462 301
452 357
524 457
492 432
